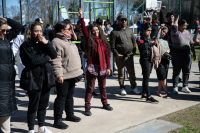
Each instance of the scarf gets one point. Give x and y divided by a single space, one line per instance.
98 48
66 35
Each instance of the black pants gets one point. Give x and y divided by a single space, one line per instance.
65 90
146 65
38 102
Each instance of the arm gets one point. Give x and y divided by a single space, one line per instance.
50 51
112 44
134 43
195 38
174 28
162 15
193 52
74 34
16 44
16 28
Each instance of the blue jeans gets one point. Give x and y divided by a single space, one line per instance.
181 62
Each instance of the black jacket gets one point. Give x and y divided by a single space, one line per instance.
7 72
35 57
122 41
80 37
144 46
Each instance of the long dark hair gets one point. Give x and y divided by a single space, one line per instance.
145 26
89 48
30 29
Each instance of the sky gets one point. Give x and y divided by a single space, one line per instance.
11 2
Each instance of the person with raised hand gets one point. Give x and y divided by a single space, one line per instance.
97 50
37 77
182 43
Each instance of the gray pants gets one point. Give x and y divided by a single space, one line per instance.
5 124
181 62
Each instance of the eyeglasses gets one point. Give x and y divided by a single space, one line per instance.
69 29
4 30
123 20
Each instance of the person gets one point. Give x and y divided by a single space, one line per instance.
115 25
108 28
139 26
74 37
97 50
163 67
7 77
155 29
123 46
182 44
35 54
146 55
15 48
99 22
67 66
40 21
46 30
196 23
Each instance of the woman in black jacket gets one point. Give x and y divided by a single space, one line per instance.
7 72
145 47
35 54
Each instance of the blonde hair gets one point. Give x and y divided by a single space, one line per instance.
165 28
27 35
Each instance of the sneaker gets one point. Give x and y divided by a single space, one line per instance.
73 118
144 97
175 90
76 84
59 124
152 100
107 107
31 131
186 90
44 130
87 112
123 92
94 93
136 91
115 73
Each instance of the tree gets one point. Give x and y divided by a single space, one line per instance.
71 9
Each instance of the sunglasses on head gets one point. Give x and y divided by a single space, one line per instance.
4 30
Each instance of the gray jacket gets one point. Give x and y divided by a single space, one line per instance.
122 41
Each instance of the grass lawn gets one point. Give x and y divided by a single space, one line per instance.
189 118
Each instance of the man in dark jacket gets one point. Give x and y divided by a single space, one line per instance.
123 46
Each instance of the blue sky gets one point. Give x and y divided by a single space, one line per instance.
12 2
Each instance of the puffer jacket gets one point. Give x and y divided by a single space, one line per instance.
122 41
7 72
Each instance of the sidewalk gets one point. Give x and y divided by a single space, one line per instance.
128 111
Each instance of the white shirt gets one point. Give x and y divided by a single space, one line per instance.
15 48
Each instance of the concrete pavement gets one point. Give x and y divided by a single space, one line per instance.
128 111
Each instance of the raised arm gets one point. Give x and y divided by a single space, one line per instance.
174 28
195 38
162 15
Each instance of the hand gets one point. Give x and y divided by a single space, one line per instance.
49 59
163 8
71 27
42 39
108 72
176 21
80 12
3 18
198 30
194 56
119 56
60 80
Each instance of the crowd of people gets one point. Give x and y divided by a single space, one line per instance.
48 59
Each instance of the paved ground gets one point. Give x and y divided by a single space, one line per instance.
128 112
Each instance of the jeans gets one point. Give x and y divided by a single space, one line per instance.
146 65
5 124
181 62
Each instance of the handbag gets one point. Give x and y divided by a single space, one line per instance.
78 79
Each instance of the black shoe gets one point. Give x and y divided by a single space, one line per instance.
152 100
73 118
59 124
87 112
94 93
143 97
107 107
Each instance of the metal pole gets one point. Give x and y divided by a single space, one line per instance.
74 13
52 13
23 17
180 9
59 11
4 8
81 5
168 5
94 11
114 10
127 12
142 9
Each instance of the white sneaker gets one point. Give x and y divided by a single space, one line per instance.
186 90
136 91
175 90
76 84
31 131
123 92
44 130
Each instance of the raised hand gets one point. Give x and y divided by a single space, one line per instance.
176 21
80 12
163 8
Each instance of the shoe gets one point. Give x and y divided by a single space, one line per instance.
69 109
31 131
107 107
186 90
115 73
59 124
76 84
143 97
73 118
123 92
44 130
175 90
136 91
94 93
48 106
152 100
87 112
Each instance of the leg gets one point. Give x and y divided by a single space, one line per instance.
90 85
131 71
159 87
5 124
120 66
165 86
33 106
102 89
186 69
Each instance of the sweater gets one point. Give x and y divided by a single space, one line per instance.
68 62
